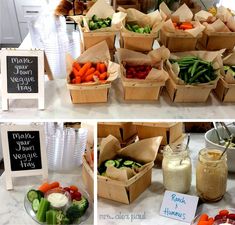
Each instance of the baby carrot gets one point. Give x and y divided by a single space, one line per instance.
75 72
211 221
97 73
44 187
203 217
90 71
102 68
89 78
77 65
77 80
54 185
203 223
103 76
186 27
98 66
84 68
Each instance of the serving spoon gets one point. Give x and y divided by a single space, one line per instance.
221 141
228 132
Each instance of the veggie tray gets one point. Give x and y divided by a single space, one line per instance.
55 204
215 217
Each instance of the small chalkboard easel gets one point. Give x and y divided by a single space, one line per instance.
24 152
23 75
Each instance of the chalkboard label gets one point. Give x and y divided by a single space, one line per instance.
22 74
24 149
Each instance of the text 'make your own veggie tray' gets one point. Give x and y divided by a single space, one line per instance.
23 75
23 151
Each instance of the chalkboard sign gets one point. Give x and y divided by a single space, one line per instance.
24 147
22 74
24 151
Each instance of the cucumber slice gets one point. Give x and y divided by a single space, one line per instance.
31 195
138 164
35 205
117 164
128 163
124 167
110 163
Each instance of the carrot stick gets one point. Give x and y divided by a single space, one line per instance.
75 72
84 68
77 65
89 78
90 71
77 80
44 187
103 76
203 217
98 66
54 185
102 68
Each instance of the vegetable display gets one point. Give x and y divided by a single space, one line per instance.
88 72
230 69
193 70
56 205
223 217
97 23
183 25
137 72
118 163
138 29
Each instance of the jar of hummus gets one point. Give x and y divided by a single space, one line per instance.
177 169
211 175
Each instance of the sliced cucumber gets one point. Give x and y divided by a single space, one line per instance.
31 195
117 163
138 164
119 160
110 163
35 205
128 163
124 167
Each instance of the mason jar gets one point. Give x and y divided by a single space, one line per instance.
177 170
211 175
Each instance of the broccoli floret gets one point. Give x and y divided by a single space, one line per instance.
73 213
83 205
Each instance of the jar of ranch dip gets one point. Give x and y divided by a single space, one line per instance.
177 169
211 175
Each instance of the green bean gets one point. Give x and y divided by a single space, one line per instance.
191 80
194 67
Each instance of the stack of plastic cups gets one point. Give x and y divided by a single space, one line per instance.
65 147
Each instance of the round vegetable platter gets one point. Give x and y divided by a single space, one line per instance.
62 204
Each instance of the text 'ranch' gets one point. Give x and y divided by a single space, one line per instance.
178 201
